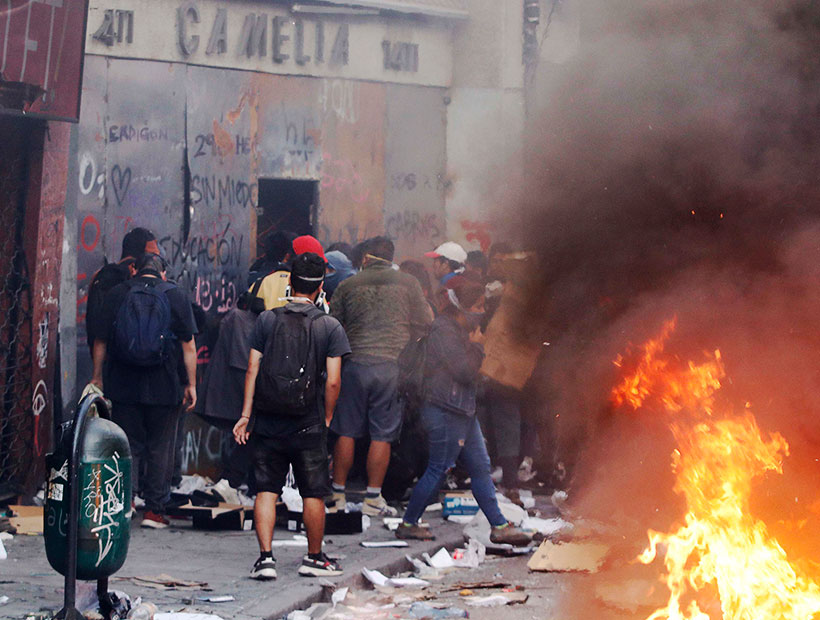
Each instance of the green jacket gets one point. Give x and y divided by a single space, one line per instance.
381 309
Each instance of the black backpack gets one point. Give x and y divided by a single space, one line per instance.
289 373
142 329
104 280
412 363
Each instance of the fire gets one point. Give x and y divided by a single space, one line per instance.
721 545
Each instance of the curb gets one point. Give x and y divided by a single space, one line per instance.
395 563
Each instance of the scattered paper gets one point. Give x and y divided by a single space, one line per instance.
497 600
547 527
296 541
433 507
441 559
378 579
227 598
568 557
371 544
4 600
392 523
526 498
3 554
339 596
425 610
179 615
292 499
423 569
6 536
460 519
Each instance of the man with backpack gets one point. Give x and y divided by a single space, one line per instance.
145 321
285 415
135 243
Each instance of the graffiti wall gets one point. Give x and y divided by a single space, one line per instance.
180 150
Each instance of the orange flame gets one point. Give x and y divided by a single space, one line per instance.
721 544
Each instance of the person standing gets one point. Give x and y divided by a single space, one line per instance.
285 417
145 323
448 261
454 357
134 244
380 309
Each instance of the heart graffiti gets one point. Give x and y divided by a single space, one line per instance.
120 181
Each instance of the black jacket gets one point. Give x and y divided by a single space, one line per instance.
453 362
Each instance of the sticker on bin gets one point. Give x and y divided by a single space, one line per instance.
55 492
459 504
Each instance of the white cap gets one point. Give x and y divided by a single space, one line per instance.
451 251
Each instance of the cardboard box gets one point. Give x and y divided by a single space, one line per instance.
27 519
336 523
459 504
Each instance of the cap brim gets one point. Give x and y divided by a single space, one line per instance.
432 255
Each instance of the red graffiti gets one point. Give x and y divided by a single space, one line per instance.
478 231
340 175
90 220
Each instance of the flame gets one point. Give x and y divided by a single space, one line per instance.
720 546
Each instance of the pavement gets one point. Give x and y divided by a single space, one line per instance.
222 559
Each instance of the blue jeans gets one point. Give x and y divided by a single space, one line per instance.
451 437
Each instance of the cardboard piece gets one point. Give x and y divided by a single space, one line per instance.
167 582
568 557
27 519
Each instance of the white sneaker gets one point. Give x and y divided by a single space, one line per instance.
339 503
378 507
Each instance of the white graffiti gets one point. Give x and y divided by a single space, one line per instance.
40 398
194 445
341 98
89 179
102 501
42 342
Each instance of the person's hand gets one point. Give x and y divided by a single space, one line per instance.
240 431
97 381
189 397
477 336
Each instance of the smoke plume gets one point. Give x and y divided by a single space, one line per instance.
676 174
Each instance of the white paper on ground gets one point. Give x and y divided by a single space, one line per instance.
512 513
296 541
226 598
494 600
392 523
434 507
339 596
423 569
6 536
179 615
441 559
547 527
378 579
3 554
460 519
4 600
372 544
526 498
365 523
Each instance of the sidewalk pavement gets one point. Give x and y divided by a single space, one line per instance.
223 559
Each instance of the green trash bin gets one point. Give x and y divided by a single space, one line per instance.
104 511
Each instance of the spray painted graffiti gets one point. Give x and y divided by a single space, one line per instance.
42 342
39 401
478 231
411 225
201 444
89 177
102 500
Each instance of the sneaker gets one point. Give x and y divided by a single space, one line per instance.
338 502
405 531
319 568
510 535
154 521
378 507
264 568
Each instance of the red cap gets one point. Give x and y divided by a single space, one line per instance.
305 244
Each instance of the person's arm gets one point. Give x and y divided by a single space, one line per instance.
240 430
337 309
99 360
332 386
189 359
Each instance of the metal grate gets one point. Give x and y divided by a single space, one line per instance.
17 434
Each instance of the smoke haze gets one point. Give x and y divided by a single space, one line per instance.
678 160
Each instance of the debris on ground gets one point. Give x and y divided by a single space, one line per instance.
568 557
27 520
167 582
180 615
497 600
425 610
378 579
383 543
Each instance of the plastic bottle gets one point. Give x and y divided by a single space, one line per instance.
143 611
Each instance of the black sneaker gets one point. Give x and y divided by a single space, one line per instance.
319 568
265 568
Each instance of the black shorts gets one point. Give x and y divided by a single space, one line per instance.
306 451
